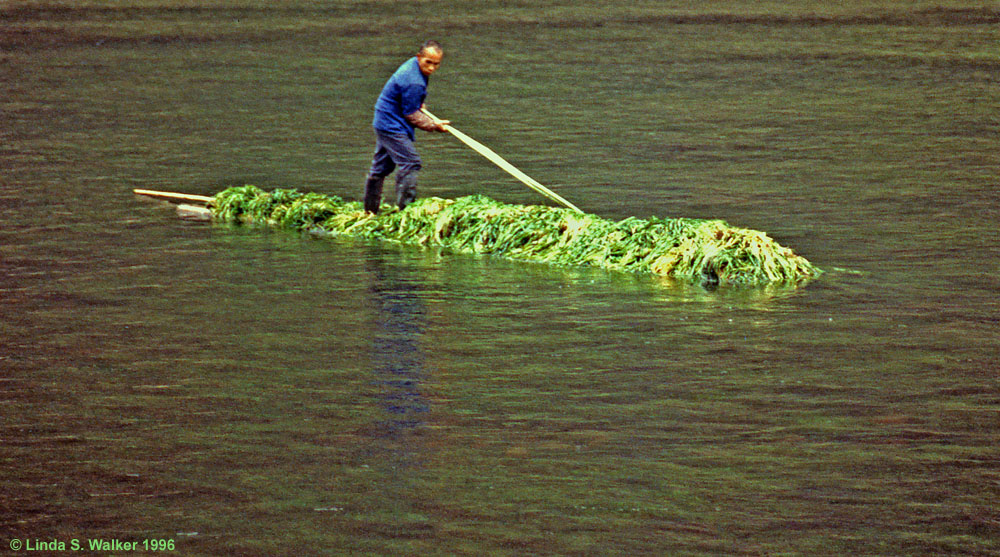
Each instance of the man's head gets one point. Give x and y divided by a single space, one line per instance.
429 57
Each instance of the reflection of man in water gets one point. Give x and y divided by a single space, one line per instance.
397 112
397 356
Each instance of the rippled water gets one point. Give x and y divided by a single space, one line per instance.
244 391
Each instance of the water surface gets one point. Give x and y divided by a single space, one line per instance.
244 391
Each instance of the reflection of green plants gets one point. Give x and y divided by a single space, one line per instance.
692 250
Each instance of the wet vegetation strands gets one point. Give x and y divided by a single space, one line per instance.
690 250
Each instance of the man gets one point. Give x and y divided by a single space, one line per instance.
397 113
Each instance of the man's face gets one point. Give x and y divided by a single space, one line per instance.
429 60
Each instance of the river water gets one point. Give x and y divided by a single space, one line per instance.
255 392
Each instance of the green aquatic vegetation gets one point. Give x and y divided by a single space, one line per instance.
692 250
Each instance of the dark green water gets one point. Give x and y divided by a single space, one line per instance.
248 392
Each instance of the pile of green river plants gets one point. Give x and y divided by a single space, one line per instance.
709 252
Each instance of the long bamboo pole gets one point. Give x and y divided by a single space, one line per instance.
499 161
172 195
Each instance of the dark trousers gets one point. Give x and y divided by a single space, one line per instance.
392 152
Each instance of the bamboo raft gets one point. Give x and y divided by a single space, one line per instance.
709 252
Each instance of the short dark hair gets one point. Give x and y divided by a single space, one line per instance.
430 45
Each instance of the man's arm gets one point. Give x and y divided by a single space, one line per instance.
420 120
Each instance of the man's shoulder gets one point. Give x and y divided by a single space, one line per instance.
409 73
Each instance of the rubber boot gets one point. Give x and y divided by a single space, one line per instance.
373 194
406 189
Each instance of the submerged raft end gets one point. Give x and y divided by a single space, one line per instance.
194 212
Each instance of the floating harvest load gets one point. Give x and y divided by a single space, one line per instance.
691 250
